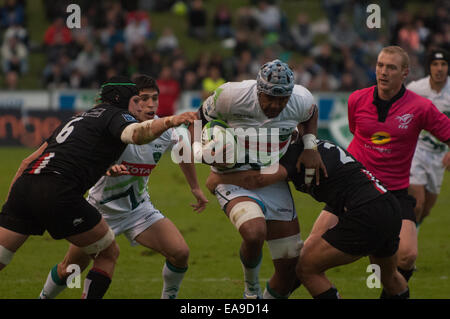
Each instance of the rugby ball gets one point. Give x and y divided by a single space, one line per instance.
215 135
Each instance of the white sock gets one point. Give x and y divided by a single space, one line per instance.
271 294
251 278
267 295
53 286
172 277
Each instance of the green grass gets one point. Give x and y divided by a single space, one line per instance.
214 267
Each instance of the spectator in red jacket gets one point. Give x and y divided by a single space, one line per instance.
169 91
57 34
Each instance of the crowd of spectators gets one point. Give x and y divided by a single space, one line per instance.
336 52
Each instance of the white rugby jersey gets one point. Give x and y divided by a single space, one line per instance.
122 194
442 101
236 103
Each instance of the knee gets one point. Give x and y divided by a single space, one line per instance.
249 220
253 235
111 253
407 258
180 256
419 208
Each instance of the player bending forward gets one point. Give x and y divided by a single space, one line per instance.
369 218
55 178
125 204
272 107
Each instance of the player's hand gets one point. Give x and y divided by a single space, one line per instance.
117 170
313 163
184 118
446 161
212 181
201 200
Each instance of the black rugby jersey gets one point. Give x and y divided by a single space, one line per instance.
348 184
82 148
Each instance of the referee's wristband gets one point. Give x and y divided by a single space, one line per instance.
309 142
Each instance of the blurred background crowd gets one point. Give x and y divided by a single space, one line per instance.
200 44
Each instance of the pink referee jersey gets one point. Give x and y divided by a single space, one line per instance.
386 148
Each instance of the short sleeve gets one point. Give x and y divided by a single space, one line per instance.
217 105
437 123
119 121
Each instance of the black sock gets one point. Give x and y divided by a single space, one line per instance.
331 293
402 295
96 284
406 273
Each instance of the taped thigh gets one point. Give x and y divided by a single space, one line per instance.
6 255
101 244
244 211
286 247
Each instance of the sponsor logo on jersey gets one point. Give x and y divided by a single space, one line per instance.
157 156
77 221
139 169
95 112
129 118
380 138
404 120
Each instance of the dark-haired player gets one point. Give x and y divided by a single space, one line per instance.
47 191
123 200
271 108
431 157
368 218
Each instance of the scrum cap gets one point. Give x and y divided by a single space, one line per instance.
275 78
117 91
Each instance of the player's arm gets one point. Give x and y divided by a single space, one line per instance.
246 179
147 131
310 157
190 174
438 124
27 161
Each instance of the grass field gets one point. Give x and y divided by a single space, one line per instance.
214 269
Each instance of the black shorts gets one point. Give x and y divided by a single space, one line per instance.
407 204
47 202
406 201
371 229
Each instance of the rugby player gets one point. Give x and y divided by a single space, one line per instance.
54 179
275 104
368 219
431 157
122 197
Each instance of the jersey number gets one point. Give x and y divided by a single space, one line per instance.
342 155
67 129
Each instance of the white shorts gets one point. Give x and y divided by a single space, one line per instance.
275 200
135 222
427 169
